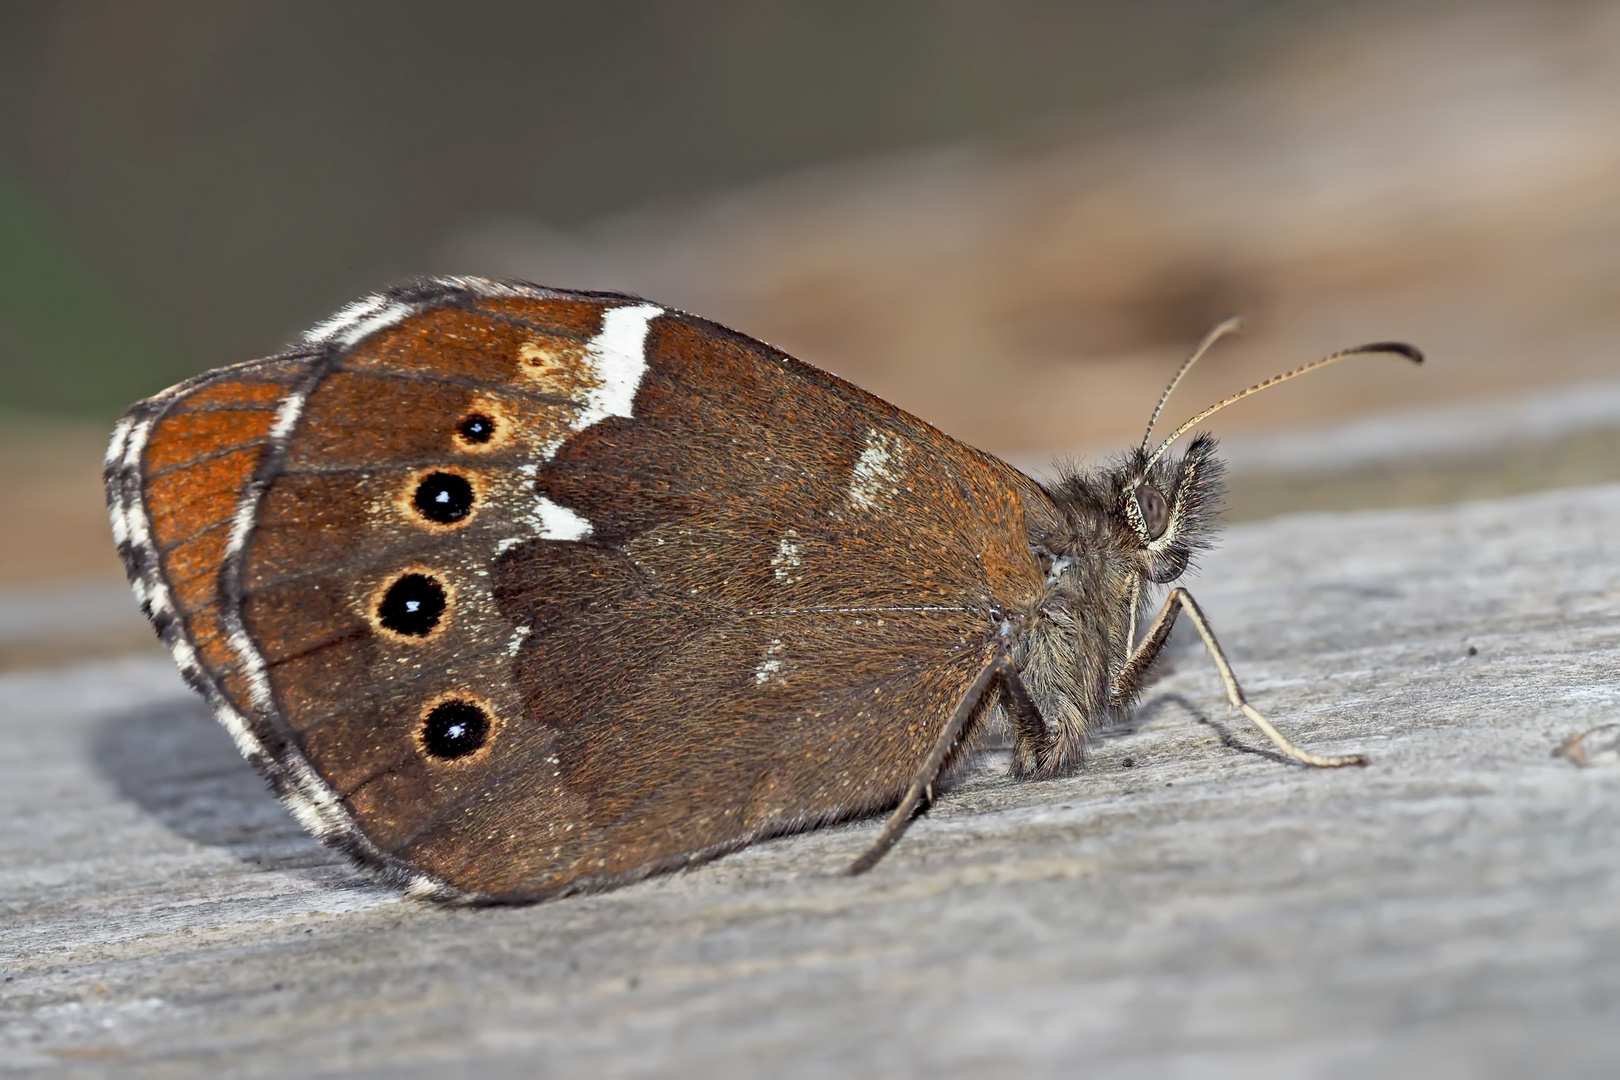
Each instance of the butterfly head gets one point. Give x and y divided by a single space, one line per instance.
1162 510
1149 514
1162 506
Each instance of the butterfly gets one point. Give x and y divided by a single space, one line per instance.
514 592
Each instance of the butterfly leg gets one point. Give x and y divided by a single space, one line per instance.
1139 656
1130 674
1036 739
922 784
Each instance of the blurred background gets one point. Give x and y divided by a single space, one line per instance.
1010 217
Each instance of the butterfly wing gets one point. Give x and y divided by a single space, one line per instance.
516 592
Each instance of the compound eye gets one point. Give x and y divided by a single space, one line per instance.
1155 510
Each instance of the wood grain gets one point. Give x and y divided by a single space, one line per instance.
1184 904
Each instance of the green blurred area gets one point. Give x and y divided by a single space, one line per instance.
70 343
189 183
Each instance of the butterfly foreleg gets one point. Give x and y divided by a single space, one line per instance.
1128 679
1139 656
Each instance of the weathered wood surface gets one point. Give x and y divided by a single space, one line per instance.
1186 905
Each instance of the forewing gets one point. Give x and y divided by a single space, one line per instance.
703 593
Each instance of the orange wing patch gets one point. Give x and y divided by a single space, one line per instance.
174 490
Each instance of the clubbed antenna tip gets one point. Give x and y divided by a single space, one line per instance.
1387 348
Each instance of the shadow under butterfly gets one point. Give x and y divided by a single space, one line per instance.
514 592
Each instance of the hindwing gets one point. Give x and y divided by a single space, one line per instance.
513 592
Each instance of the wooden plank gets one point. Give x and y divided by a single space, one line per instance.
1185 904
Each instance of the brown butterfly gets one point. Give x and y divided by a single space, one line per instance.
513 592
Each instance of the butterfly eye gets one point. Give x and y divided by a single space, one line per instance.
1155 510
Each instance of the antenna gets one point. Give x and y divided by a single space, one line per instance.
1232 325
1389 348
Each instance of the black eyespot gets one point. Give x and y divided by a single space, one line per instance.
455 729
1155 510
477 428
412 605
444 497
